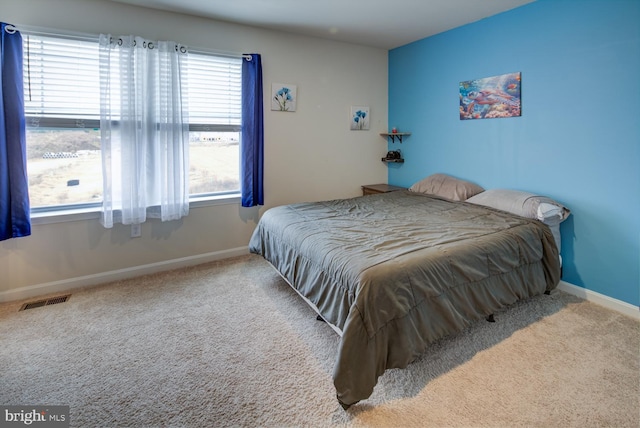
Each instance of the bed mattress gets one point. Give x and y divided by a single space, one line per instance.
396 271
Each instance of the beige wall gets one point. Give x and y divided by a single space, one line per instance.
309 155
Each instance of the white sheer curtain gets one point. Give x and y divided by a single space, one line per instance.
145 130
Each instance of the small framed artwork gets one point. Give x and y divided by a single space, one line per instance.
359 118
283 97
490 97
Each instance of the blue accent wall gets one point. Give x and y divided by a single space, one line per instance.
577 141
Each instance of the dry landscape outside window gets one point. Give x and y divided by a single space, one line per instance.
64 166
214 159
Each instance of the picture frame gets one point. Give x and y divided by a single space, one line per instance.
284 97
359 118
491 97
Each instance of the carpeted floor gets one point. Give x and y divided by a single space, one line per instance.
230 344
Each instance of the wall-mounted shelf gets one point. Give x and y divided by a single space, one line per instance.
394 135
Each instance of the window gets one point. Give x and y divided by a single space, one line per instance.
62 106
214 123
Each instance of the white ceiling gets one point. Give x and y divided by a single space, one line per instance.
383 24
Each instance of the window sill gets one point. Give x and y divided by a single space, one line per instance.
61 216
206 201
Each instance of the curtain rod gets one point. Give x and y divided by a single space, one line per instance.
42 31
11 29
220 53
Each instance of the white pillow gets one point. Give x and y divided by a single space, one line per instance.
547 210
526 204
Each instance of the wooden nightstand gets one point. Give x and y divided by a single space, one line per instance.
372 189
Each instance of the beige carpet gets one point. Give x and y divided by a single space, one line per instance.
230 344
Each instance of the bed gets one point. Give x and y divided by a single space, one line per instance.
393 272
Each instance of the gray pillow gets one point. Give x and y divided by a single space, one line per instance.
446 186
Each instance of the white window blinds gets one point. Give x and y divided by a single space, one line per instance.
62 85
215 86
61 81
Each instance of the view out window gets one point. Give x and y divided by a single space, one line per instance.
215 111
62 106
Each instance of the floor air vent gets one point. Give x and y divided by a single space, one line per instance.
45 302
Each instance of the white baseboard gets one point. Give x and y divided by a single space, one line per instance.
116 275
601 299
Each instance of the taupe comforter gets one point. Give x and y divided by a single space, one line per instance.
397 271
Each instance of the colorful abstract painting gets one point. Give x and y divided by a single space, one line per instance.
490 97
